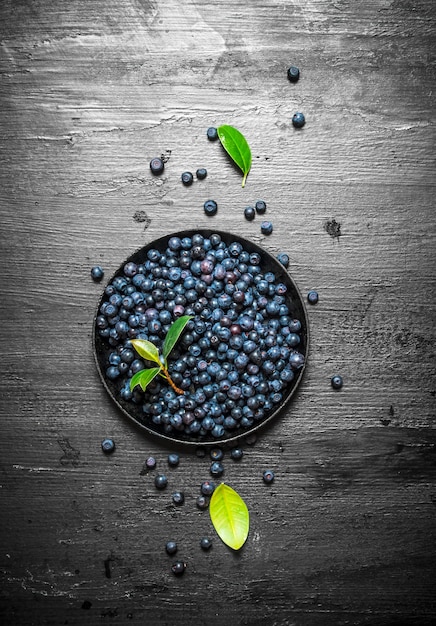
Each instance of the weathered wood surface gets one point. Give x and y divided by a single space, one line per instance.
90 92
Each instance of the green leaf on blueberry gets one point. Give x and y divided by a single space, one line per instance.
236 146
148 351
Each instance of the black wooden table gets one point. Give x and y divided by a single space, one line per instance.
90 92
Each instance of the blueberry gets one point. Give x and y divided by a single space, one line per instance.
216 454
178 568
298 120
237 454
207 487
150 463
283 258
260 207
312 296
216 468
268 476
202 502
266 228
108 445
187 178
212 133
173 459
249 213
157 165
205 543
97 272
201 173
160 481
210 207
171 547
293 73
178 498
337 381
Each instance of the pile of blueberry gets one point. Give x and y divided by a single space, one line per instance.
238 356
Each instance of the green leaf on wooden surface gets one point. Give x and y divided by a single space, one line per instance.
173 334
144 378
236 146
146 349
229 515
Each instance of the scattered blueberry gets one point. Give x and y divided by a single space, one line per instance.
212 133
210 207
108 445
150 463
268 476
216 454
202 502
337 381
178 568
207 488
216 468
205 543
173 459
260 207
157 165
178 498
283 258
201 173
236 454
171 547
97 272
249 213
293 73
187 178
312 297
160 481
298 120
266 228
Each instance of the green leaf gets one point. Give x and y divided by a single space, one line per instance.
229 515
146 349
144 378
174 332
236 146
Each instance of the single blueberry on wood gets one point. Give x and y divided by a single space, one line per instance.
293 73
298 120
337 381
157 166
97 272
312 297
108 445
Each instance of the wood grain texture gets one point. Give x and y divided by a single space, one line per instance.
89 93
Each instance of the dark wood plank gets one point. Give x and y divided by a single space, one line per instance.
90 92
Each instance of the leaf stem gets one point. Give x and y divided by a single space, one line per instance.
173 385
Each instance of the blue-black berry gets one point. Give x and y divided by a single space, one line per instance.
207 487
205 543
150 462
266 228
173 459
236 454
210 207
283 258
212 133
298 120
171 547
312 297
187 178
97 272
260 207
201 173
160 481
216 468
178 568
216 454
202 502
249 213
178 498
268 476
293 73
337 381
157 165
108 445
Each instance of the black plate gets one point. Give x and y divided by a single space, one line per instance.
293 300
